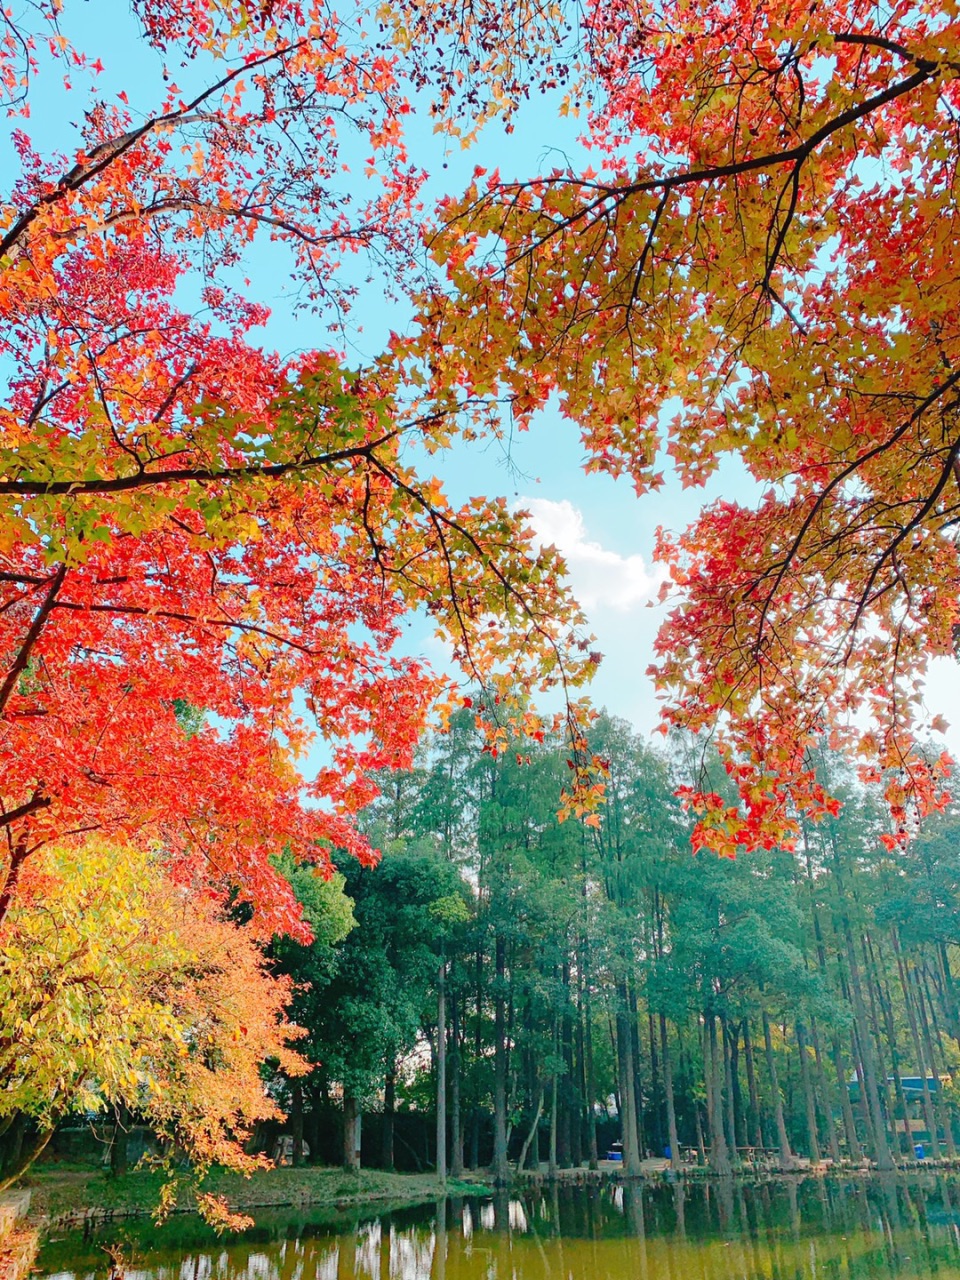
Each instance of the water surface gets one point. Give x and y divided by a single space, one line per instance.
868 1228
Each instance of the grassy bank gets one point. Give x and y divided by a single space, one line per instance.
63 1195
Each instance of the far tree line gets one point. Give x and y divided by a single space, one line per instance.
558 984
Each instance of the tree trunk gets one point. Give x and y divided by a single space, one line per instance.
553 1167
730 1119
628 1114
351 1133
442 1072
593 1151
787 1161
924 1070
719 1151
24 1158
567 1085
656 1110
826 1094
939 1108
456 1119
668 1091
387 1155
813 1142
854 1150
296 1123
874 1111
531 1141
754 1127
500 1167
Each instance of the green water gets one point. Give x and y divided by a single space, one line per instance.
785 1229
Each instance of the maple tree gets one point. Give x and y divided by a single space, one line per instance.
120 986
188 520
760 264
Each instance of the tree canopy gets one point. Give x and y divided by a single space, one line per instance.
759 263
188 518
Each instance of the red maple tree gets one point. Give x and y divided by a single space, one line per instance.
188 521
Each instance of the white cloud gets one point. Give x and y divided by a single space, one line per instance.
598 576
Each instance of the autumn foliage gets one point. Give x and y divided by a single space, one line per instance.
121 987
761 262
189 521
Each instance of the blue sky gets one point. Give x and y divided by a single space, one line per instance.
604 531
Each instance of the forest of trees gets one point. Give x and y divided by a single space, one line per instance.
593 977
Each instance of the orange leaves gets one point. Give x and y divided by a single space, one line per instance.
120 985
741 283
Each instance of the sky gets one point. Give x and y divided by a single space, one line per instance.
604 531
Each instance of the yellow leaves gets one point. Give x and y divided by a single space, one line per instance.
112 979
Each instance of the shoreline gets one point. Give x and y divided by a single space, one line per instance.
65 1199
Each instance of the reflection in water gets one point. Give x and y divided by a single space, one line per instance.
785 1229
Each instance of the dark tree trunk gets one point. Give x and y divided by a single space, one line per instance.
456 1119
23 1154
387 1153
729 1114
296 1122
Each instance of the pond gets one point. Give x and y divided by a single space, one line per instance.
867 1228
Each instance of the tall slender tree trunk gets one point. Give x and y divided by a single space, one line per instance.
656 1109
628 1114
719 1152
593 1151
500 1168
566 1090
754 1126
825 1093
941 1111
668 1091
867 1060
740 1119
909 1004
553 1166
787 1161
578 1118
442 1071
456 1117
808 1096
729 1113
854 1149
898 1103
637 1075
876 1120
